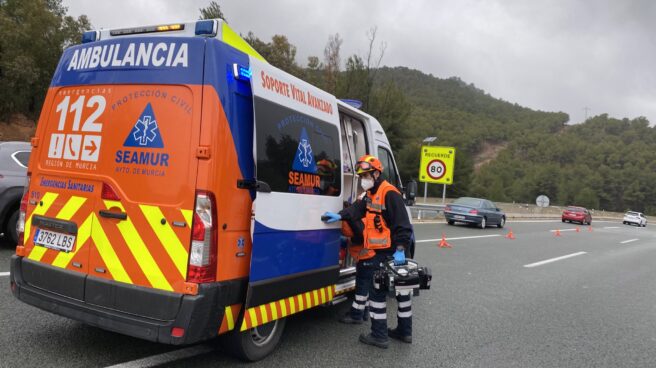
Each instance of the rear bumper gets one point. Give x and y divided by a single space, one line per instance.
127 309
572 218
470 219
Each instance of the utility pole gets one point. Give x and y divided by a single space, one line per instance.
586 109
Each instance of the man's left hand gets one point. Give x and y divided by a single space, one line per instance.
399 257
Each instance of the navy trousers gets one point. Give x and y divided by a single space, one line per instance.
378 306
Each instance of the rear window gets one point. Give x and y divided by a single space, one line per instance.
473 202
632 214
296 153
22 158
574 209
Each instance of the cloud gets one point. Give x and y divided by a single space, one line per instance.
558 55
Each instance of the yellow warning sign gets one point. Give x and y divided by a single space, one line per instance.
437 164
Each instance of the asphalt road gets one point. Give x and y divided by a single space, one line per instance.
485 309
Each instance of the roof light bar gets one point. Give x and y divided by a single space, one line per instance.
148 29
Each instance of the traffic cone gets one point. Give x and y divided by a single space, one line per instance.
578 229
510 235
590 228
443 242
557 232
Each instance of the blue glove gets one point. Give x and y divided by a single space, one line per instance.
330 217
399 258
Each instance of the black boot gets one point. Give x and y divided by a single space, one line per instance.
375 341
393 333
350 320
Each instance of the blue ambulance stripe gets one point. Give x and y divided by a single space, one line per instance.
303 250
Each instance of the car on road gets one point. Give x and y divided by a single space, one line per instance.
14 157
475 211
577 214
634 218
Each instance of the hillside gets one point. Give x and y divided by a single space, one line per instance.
507 152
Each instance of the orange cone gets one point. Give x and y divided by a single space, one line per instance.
590 228
443 242
510 234
578 229
557 233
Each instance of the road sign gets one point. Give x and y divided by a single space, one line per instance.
542 201
437 164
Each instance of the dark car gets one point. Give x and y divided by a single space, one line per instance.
476 211
14 157
577 214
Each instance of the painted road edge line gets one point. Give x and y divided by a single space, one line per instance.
561 230
629 241
611 227
554 259
171 356
460 238
4 274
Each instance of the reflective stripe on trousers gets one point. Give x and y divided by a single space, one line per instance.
364 272
404 313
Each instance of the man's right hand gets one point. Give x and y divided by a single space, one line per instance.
330 217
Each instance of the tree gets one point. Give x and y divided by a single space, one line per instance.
332 63
34 33
212 11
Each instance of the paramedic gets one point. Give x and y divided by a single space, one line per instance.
387 232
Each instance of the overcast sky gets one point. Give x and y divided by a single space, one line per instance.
551 55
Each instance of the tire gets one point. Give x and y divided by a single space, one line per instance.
256 343
502 222
563 220
483 224
11 228
450 222
623 222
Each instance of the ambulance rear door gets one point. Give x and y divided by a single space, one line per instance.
129 129
298 169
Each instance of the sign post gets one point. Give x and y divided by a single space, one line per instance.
436 166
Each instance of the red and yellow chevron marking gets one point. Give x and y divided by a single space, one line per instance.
266 313
230 318
140 250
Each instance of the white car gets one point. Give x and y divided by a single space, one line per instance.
636 218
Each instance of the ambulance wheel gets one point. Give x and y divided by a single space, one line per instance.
11 228
256 343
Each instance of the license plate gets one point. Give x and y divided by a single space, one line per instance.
54 240
458 217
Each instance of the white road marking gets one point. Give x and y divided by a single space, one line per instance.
629 241
611 227
561 230
460 238
4 274
169 357
554 259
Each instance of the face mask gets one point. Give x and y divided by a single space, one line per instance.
367 183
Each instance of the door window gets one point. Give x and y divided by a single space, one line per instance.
296 153
389 170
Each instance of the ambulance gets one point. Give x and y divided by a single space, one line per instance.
176 187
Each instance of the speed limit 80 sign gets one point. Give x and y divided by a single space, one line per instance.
437 164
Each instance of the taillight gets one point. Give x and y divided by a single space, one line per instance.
473 211
447 208
20 224
109 193
202 256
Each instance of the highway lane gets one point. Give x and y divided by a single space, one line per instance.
485 309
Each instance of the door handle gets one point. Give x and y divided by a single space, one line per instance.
113 215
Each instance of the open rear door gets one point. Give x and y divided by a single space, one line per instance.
298 168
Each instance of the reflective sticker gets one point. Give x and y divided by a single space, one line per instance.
108 254
140 251
83 233
167 237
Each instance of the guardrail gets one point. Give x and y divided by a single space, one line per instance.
422 209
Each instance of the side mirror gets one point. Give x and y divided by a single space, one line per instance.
411 191
498 209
